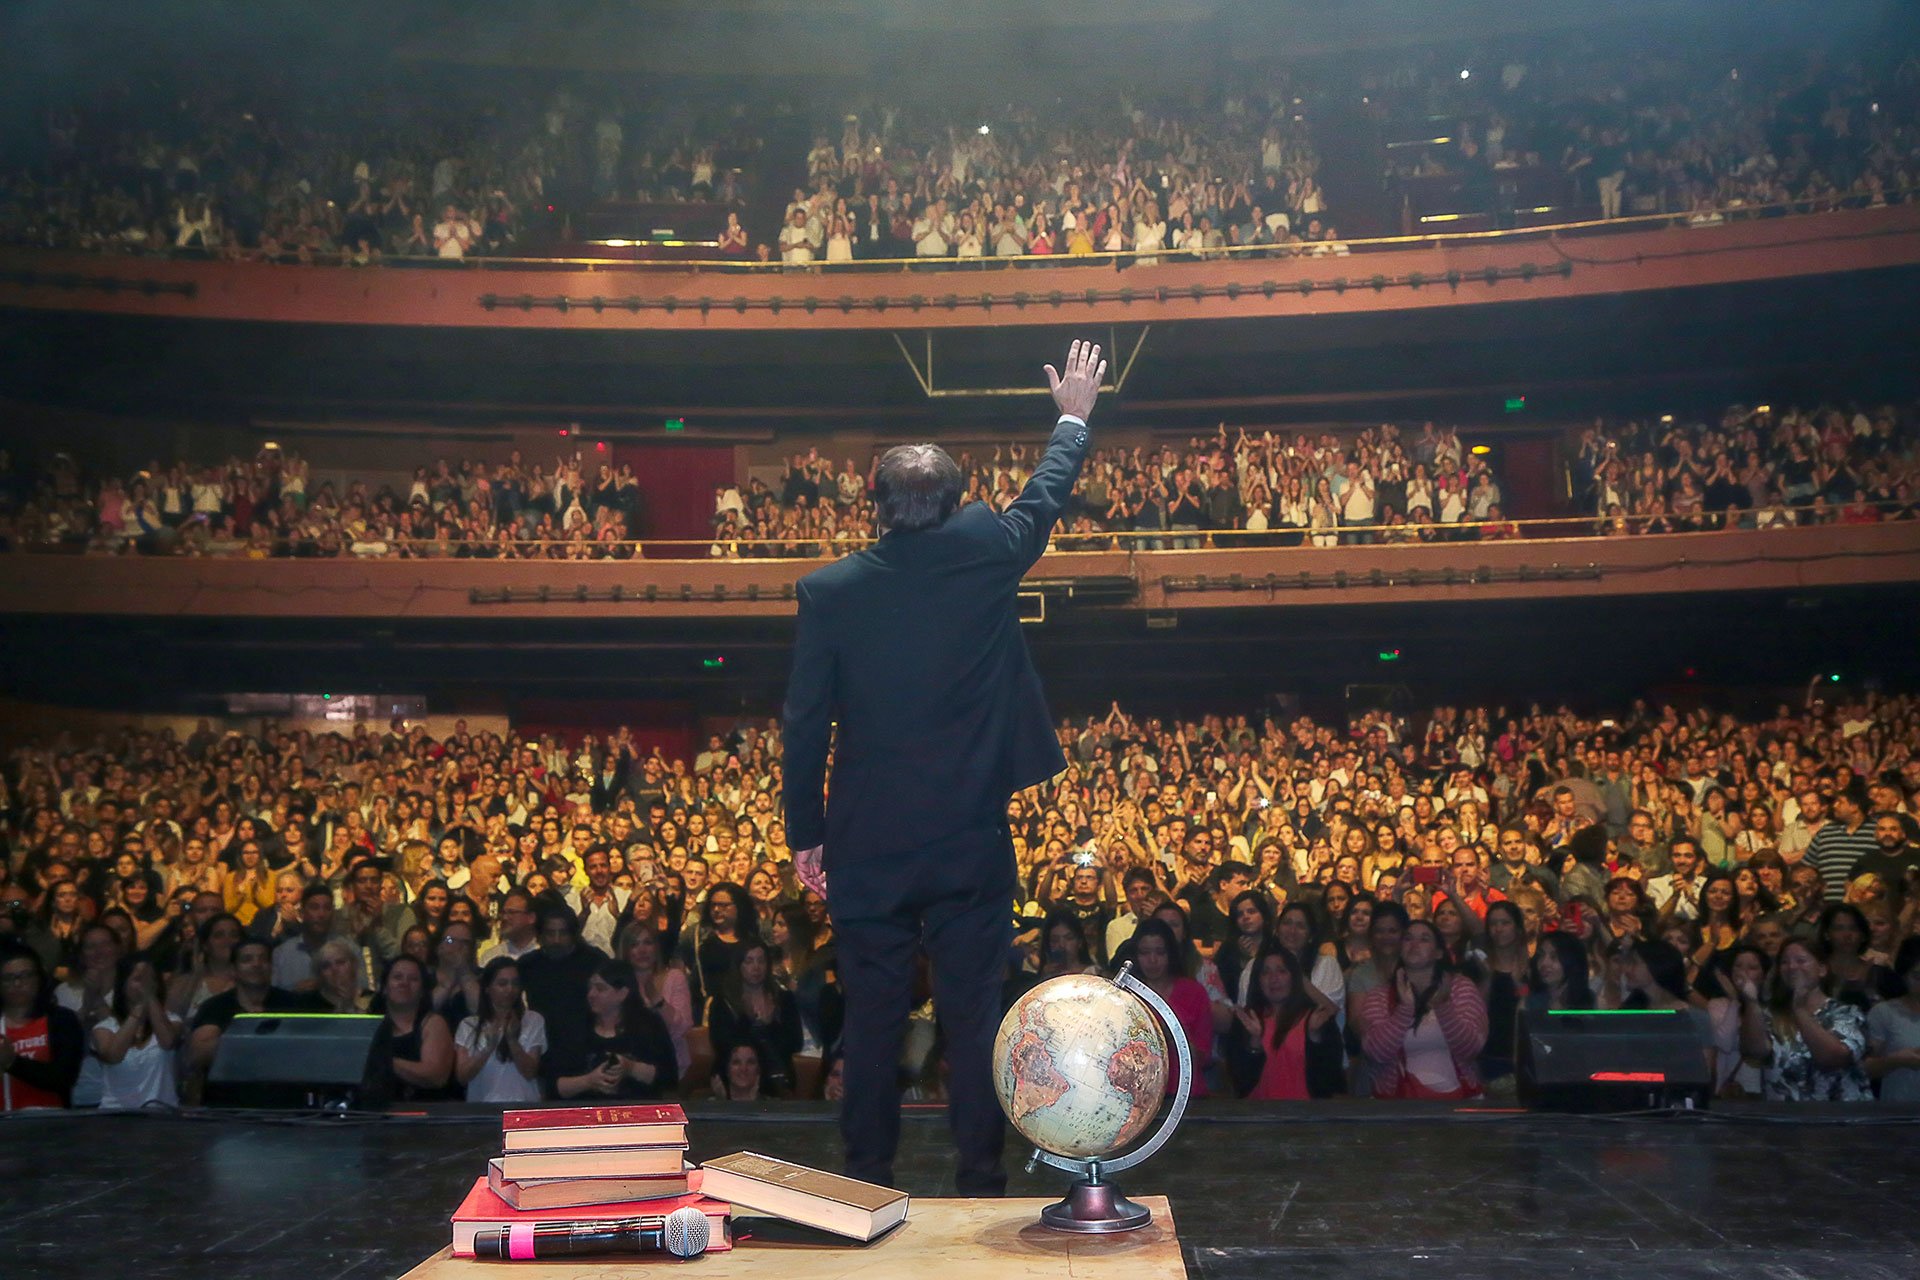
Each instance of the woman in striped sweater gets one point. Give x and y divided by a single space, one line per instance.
1425 1029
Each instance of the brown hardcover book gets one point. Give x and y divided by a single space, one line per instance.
811 1197
568 1193
557 1128
599 1162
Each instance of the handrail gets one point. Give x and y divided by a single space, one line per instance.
1576 528
1315 249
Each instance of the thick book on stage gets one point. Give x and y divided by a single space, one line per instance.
482 1209
811 1197
556 1128
596 1162
566 1193
1611 1060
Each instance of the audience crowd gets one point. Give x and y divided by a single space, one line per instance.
422 168
1648 132
434 167
1231 166
1216 490
1362 907
1753 469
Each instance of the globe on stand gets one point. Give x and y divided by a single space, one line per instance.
1080 1065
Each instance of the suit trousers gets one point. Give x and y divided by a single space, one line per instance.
955 898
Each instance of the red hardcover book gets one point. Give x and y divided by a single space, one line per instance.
483 1209
559 1128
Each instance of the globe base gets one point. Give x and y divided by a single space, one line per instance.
1094 1208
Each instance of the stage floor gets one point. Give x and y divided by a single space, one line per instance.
1322 1190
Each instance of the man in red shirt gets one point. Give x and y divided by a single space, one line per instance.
1470 884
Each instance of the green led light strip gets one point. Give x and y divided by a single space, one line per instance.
1612 1013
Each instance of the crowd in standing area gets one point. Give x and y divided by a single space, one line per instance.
1360 907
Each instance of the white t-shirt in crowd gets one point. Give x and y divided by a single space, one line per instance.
71 996
500 1081
928 242
145 1075
452 238
1356 503
795 245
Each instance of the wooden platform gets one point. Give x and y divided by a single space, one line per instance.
950 1239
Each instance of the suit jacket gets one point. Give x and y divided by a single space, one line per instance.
606 791
914 647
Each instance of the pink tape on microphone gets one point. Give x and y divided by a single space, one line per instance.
520 1241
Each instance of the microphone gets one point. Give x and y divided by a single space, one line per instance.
684 1233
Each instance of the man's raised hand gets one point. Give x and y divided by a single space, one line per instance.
1076 390
809 870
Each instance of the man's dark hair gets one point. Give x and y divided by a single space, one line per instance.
1588 845
316 889
1229 869
1387 909
916 486
547 912
251 941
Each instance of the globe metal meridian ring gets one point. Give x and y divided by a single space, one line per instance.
1093 1204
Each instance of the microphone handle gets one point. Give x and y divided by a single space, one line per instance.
601 1238
573 1239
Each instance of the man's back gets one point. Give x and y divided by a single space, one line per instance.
914 647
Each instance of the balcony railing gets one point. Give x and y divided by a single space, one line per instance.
183 542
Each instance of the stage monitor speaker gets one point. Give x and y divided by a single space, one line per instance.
1611 1060
293 1059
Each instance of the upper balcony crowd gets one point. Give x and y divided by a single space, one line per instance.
1751 467
427 168
1659 132
421 169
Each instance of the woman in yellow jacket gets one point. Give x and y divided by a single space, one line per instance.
249 887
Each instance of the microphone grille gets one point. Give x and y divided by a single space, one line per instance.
687 1232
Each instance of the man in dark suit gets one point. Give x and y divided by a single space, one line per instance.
914 648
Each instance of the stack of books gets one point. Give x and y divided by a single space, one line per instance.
587 1164
599 1164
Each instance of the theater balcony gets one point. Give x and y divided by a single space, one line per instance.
1124 576
1435 314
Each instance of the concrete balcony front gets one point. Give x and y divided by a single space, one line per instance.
1142 580
1400 274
